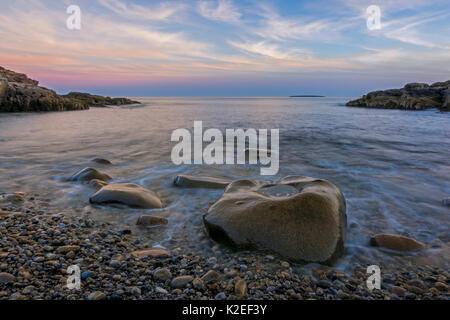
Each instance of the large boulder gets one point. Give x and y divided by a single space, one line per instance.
129 194
182 180
300 218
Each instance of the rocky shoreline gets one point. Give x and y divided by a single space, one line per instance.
18 93
39 244
413 96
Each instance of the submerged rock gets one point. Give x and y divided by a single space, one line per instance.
101 161
413 96
130 194
148 220
200 182
304 219
396 242
446 202
88 174
153 252
97 184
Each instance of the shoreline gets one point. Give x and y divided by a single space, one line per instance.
34 266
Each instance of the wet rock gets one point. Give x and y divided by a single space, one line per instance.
396 242
6 278
129 194
66 249
148 220
307 223
97 184
446 202
181 282
153 252
198 284
240 288
161 290
87 174
200 182
162 274
210 277
7 213
101 161
399 291
97 295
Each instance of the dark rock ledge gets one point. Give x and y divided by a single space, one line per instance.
413 96
18 93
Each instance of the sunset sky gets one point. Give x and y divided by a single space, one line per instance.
226 47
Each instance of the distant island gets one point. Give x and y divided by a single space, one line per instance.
413 96
306 96
18 93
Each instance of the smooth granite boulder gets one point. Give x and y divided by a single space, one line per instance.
129 194
300 218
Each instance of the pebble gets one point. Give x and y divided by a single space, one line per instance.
181 282
97 295
162 274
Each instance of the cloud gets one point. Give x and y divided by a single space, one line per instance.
161 12
223 11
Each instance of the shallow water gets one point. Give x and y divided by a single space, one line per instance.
392 166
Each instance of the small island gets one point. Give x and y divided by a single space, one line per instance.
413 96
18 93
306 96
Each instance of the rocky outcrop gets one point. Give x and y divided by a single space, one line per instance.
18 93
300 218
129 194
413 96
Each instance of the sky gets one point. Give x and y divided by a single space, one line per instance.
226 47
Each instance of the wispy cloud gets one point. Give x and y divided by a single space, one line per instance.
221 10
161 11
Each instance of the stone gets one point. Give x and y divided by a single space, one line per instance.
399 291
396 242
240 288
148 220
101 161
446 202
87 174
97 184
66 249
162 274
153 252
161 290
6 278
200 182
198 284
97 295
7 213
300 218
211 276
129 194
181 282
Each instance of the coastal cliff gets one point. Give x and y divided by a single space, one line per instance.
413 96
18 93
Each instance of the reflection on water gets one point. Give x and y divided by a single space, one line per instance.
392 166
